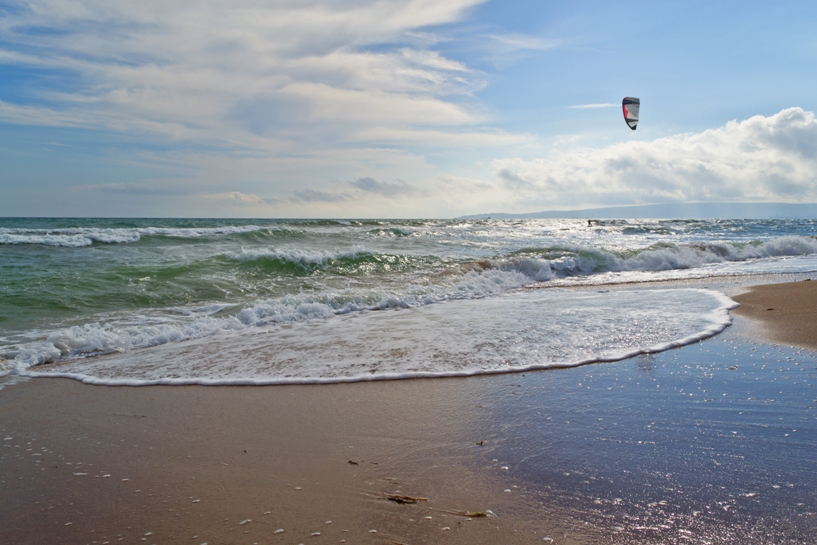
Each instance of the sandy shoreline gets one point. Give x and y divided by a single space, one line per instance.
235 464
784 313
190 464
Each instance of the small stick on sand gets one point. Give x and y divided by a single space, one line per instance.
403 499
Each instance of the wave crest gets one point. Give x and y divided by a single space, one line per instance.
78 237
569 262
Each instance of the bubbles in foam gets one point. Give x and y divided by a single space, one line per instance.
514 332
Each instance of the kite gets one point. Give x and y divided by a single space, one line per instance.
630 105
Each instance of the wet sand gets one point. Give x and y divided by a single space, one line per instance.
690 444
192 464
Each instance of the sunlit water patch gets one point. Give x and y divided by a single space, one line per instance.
716 443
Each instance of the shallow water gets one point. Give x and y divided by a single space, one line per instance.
712 443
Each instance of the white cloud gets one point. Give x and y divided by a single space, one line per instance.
452 138
505 49
759 159
763 158
236 197
593 106
266 107
507 43
265 75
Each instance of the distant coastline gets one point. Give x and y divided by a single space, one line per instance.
670 211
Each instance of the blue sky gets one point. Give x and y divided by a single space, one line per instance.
401 108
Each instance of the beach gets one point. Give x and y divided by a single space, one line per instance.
689 445
783 313
402 272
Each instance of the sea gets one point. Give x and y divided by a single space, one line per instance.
204 301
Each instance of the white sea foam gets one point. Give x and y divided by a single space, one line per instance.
296 255
514 332
130 332
585 261
534 269
69 240
193 232
205 310
77 237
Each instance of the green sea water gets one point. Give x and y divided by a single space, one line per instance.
73 288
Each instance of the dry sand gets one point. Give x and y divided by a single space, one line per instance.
783 313
193 464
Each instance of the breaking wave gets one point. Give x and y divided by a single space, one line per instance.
551 263
119 335
80 236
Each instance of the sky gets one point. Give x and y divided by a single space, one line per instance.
401 108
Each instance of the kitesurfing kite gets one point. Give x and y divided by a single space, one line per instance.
630 106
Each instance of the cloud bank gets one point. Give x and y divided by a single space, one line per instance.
759 159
